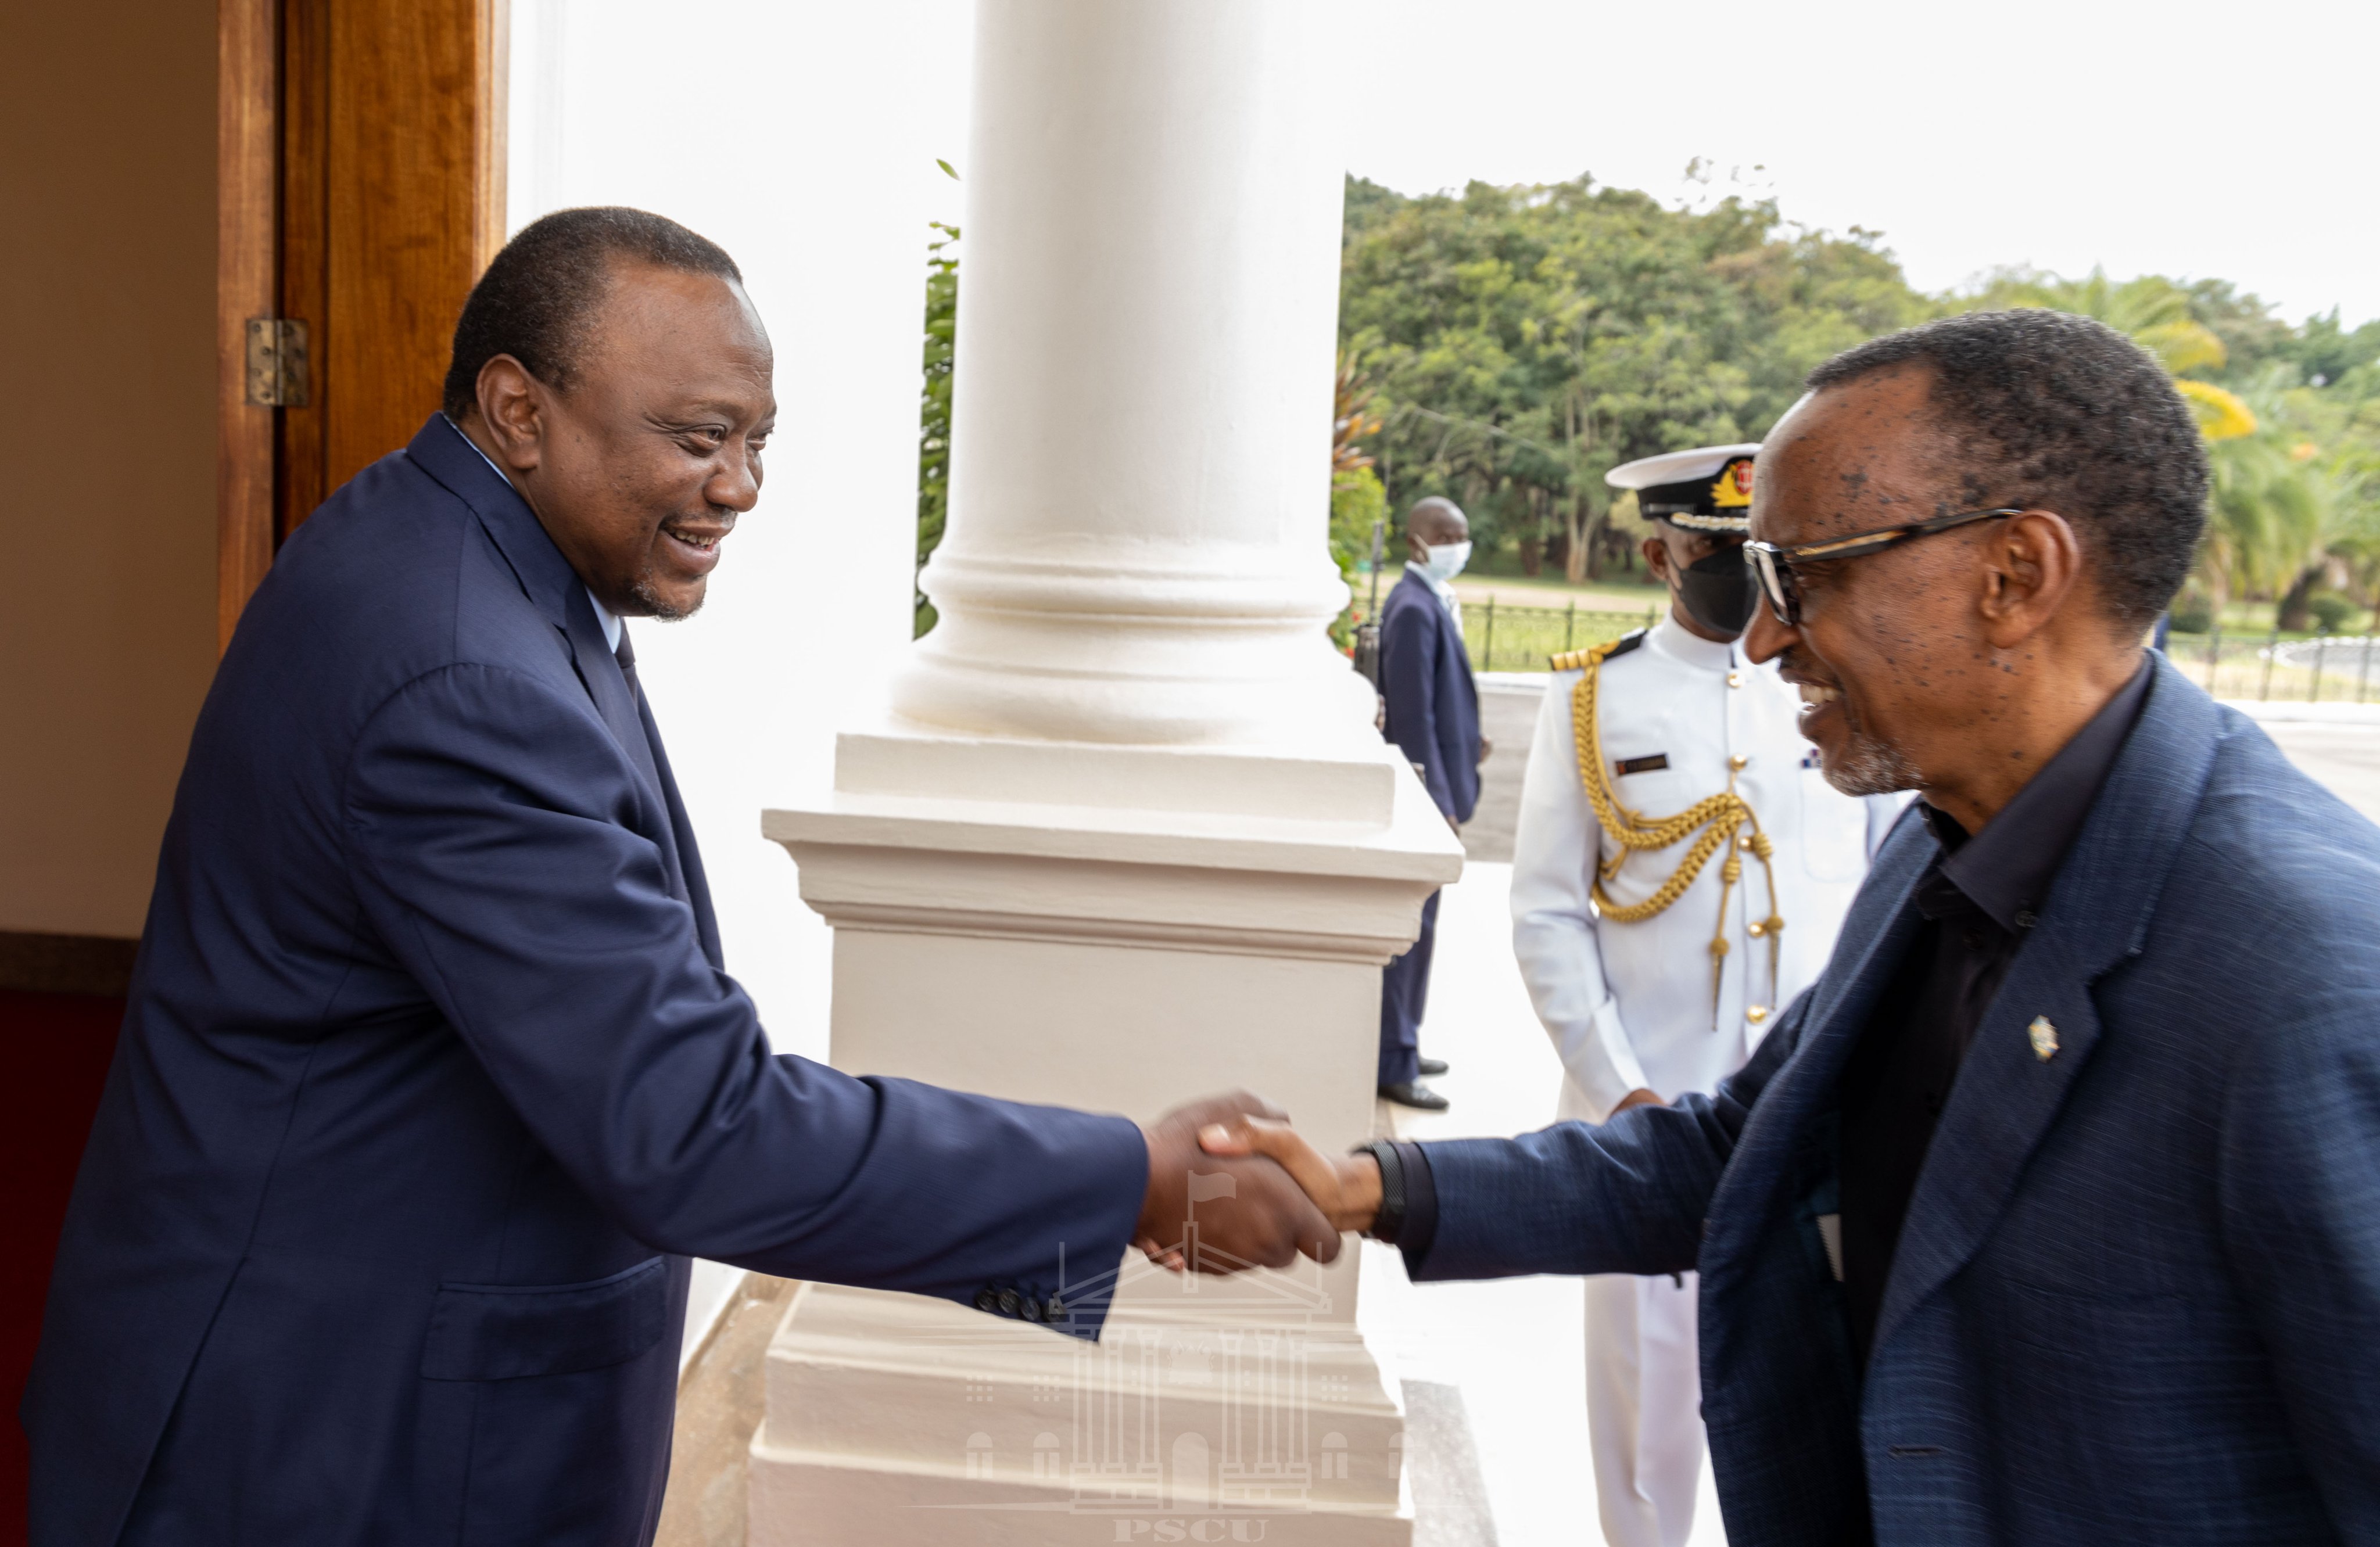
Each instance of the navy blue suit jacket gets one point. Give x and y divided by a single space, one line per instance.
2137 1297
431 1082
1433 703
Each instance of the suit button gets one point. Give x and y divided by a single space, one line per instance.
1739 762
1735 679
985 1300
1008 1302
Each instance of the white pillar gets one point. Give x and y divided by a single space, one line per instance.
1149 293
1128 835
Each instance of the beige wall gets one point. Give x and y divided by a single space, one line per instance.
106 445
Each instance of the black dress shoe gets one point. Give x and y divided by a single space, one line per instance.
1433 1066
1413 1093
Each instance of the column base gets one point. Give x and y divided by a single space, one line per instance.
1118 928
896 1420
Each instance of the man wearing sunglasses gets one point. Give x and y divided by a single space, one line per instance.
1679 869
2051 1212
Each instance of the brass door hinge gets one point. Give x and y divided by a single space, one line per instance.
277 374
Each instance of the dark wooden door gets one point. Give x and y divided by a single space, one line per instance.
361 192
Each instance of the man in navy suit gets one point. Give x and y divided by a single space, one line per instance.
1433 717
431 1080
2051 1212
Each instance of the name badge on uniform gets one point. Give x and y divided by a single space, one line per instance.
1810 759
1643 765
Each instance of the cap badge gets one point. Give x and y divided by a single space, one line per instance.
1733 490
2043 1037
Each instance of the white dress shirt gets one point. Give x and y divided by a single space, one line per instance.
1630 1006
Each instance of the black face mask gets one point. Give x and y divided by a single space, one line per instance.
1719 591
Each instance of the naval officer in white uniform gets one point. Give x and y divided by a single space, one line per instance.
1672 890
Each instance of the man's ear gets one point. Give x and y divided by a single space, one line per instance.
1656 558
511 402
2032 564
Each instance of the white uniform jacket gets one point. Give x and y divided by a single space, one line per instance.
1630 1006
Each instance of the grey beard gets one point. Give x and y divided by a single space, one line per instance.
1869 767
641 588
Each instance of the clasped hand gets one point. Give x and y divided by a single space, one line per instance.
1262 1196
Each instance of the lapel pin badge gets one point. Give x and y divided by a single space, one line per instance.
2043 1037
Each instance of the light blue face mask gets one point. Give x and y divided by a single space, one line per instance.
1446 560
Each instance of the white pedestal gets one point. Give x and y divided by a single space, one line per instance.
1079 949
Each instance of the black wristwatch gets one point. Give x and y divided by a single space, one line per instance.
1390 1218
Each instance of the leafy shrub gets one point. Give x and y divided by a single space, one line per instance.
2332 612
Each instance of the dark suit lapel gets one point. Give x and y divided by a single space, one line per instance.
2099 912
1875 937
554 588
600 670
689 855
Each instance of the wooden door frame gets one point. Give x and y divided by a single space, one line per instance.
260 157
248 218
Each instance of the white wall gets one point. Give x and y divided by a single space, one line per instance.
801 137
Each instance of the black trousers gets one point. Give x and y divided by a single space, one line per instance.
1404 995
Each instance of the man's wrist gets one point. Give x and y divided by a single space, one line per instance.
1372 1189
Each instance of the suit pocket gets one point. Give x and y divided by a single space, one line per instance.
499 1332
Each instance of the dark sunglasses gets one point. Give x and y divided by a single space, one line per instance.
1774 565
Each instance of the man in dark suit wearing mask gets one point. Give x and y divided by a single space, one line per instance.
432 1080
1433 716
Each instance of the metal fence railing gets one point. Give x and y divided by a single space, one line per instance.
1505 638
2268 668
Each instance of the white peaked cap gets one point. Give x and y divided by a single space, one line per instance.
1651 472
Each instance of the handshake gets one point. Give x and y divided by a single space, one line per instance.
1261 1195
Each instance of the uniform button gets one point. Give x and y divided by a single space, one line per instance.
1744 842
1755 1013
1008 1302
1735 679
1755 929
986 1299
1739 762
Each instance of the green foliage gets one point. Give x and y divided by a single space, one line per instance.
934 405
2332 612
1357 502
1522 341
2193 611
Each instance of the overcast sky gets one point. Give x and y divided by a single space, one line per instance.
2234 140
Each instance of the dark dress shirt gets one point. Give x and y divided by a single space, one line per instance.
1979 899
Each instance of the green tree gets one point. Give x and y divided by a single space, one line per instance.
1526 340
934 407
2292 506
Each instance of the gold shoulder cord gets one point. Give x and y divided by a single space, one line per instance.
1717 819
